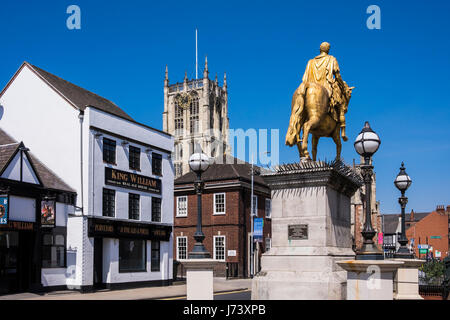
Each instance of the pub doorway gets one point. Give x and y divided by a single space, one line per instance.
16 254
98 263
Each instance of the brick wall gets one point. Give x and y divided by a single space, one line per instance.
234 224
434 224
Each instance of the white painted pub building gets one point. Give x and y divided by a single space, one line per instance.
120 232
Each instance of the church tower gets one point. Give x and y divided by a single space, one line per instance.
196 114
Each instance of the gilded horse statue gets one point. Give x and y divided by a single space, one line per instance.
311 112
319 105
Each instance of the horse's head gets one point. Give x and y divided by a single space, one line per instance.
348 95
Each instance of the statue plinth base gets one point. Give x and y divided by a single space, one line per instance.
199 278
310 233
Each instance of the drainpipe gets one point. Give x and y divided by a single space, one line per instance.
81 117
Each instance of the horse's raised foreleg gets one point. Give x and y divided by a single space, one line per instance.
337 140
315 142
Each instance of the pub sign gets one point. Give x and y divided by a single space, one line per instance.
48 213
129 180
4 207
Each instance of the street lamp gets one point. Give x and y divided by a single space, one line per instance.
402 182
366 144
199 163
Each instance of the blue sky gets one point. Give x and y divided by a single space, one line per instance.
401 72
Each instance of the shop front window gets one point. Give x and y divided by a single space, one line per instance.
132 255
53 250
155 256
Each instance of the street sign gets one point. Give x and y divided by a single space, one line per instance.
422 246
437 254
258 224
435 237
423 251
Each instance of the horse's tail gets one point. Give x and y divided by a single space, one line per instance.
297 105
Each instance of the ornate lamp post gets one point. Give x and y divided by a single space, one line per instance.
402 182
366 144
199 163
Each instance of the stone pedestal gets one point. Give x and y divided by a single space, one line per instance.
406 280
310 232
199 278
370 279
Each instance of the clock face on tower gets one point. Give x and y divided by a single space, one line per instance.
183 100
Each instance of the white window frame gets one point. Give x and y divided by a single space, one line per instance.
178 250
267 200
224 203
224 247
270 243
255 205
178 209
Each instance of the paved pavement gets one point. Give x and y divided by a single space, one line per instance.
177 290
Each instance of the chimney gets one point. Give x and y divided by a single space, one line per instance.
411 216
448 210
440 209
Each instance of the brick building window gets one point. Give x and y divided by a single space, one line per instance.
133 206
157 164
219 203
219 248
255 206
135 158
268 244
182 209
181 248
156 209
109 202
109 151
268 208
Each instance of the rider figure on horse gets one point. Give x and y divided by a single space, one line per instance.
324 70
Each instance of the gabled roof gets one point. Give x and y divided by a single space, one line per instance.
78 96
8 149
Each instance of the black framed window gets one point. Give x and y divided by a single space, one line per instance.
135 158
133 206
156 209
155 263
157 164
109 150
109 202
54 249
132 255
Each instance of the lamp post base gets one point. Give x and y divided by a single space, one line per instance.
403 253
199 252
369 252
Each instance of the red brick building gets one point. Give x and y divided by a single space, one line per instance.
433 229
225 217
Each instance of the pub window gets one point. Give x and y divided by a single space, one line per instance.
182 206
268 208
155 263
109 202
133 206
132 255
109 150
219 248
135 158
181 248
157 164
156 209
219 203
54 250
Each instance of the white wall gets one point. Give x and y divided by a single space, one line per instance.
31 105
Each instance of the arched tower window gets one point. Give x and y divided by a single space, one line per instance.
194 117
179 124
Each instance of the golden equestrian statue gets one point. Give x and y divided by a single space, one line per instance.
319 105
